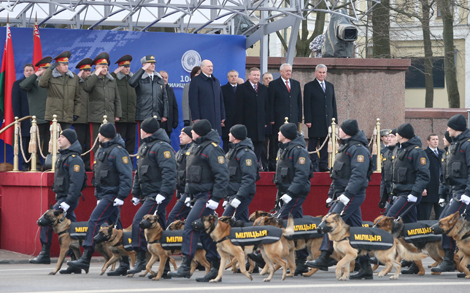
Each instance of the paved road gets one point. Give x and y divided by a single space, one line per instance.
35 278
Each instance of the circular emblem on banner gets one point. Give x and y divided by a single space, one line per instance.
190 59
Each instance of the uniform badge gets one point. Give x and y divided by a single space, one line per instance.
221 159
360 158
422 161
248 162
76 168
138 157
301 160
125 160
167 154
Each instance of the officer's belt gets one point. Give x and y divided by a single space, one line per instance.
420 233
370 238
255 235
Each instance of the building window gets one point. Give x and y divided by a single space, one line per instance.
415 78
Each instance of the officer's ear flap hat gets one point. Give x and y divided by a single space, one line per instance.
107 130
70 135
457 122
150 125
239 131
289 130
350 127
202 127
385 132
406 130
187 130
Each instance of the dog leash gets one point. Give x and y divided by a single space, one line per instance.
404 213
118 218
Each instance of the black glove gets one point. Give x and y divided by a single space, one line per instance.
186 122
383 202
53 65
75 117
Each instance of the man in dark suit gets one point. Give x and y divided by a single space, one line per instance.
251 101
319 109
430 197
173 115
284 100
205 97
228 91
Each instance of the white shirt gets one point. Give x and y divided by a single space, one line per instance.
322 84
206 75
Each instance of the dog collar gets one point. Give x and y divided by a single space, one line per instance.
155 241
450 229
345 238
111 240
62 232
223 239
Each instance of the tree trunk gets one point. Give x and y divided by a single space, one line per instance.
425 9
303 41
381 30
449 61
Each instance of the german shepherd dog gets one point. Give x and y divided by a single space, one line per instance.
219 233
200 257
433 248
114 239
458 228
258 214
153 233
338 231
61 225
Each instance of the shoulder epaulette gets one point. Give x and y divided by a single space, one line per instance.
215 145
417 147
119 146
73 156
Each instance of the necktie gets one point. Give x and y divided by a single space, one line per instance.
323 86
436 152
234 88
287 85
256 87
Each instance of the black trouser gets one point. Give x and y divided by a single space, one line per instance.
84 138
273 148
127 130
65 125
259 149
264 153
225 143
322 163
425 208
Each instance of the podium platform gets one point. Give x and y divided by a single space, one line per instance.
26 196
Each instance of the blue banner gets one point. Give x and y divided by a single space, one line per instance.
226 52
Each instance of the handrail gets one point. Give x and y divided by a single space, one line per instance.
13 123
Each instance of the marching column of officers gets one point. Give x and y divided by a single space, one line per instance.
204 175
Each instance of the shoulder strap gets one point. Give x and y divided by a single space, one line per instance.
202 146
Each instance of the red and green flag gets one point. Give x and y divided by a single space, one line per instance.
37 51
7 78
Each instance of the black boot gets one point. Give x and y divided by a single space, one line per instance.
258 259
213 272
70 270
44 256
412 270
462 275
184 271
320 262
406 263
166 270
122 269
84 262
300 266
364 273
200 267
140 264
447 264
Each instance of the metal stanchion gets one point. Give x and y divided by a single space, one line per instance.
333 141
54 141
33 145
286 120
105 119
16 146
377 140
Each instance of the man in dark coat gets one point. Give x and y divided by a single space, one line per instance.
251 102
228 91
319 109
430 197
284 100
19 102
173 115
205 97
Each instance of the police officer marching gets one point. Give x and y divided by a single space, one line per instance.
350 175
457 170
154 184
207 178
386 196
69 180
243 169
112 179
182 206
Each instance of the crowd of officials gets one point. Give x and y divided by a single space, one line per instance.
204 174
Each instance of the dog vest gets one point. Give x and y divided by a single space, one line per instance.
420 233
78 230
305 228
255 235
127 240
370 238
367 224
173 240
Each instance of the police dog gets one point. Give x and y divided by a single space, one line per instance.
219 233
113 237
153 233
338 231
458 228
433 248
258 214
61 225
